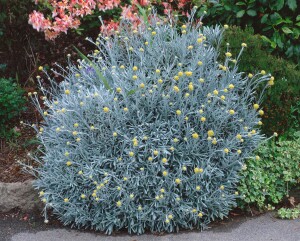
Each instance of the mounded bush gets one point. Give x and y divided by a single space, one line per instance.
150 133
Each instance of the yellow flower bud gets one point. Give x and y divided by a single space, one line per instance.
231 112
191 86
231 86
176 89
177 181
106 109
210 133
228 54
164 160
189 73
256 106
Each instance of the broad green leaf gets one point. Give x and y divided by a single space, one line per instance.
240 14
266 39
96 68
266 28
278 39
275 17
279 5
272 43
251 12
292 4
240 4
264 18
227 7
287 30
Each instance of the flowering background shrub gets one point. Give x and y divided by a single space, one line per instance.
69 14
277 21
151 133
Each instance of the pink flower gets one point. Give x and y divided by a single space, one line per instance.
128 13
109 27
142 3
38 21
51 35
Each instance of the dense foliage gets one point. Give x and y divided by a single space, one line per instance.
278 21
150 134
11 104
269 177
281 102
289 213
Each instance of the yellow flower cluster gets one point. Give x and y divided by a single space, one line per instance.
198 170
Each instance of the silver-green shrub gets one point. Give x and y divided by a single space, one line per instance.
150 133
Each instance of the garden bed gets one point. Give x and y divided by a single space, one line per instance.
17 148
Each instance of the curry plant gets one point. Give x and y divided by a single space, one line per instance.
150 132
